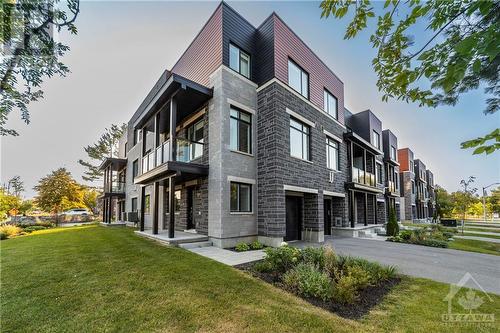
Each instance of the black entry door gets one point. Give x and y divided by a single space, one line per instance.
293 217
190 209
328 216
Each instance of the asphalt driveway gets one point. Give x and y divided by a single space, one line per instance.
444 265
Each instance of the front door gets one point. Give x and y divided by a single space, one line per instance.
190 209
293 218
328 216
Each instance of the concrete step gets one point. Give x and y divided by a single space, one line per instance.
195 245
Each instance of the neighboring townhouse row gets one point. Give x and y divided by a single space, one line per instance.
418 197
247 138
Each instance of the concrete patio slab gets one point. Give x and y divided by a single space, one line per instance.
228 257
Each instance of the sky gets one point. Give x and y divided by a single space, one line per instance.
122 48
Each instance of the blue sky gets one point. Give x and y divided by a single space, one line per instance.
122 48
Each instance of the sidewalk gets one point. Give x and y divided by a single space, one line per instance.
484 239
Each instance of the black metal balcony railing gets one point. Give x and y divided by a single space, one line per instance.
187 151
363 177
115 187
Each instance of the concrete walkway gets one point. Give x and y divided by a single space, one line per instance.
478 238
228 257
480 232
444 265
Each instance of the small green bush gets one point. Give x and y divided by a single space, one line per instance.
392 227
46 224
282 258
242 247
346 287
34 228
405 235
314 256
434 243
10 230
307 280
262 266
256 245
3 236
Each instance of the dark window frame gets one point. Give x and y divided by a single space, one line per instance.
238 119
134 202
237 209
326 94
240 51
135 168
378 143
302 72
337 148
304 134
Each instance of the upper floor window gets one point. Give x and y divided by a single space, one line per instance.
393 153
412 187
376 139
298 79
241 197
239 60
135 169
240 131
330 104
332 154
299 139
137 134
412 166
380 173
195 137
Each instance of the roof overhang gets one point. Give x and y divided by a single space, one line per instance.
363 188
180 170
189 95
116 163
391 161
363 143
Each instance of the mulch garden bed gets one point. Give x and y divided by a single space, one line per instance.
368 297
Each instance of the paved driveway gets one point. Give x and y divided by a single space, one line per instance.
444 265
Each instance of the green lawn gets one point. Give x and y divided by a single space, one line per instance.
471 229
89 279
474 246
471 233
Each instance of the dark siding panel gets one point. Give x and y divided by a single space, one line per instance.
240 32
204 55
265 51
288 44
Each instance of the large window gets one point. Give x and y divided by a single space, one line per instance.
147 204
330 104
298 79
412 166
332 154
380 173
376 139
239 60
137 134
177 198
241 197
135 169
195 136
393 153
299 139
412 187
134 204
241 131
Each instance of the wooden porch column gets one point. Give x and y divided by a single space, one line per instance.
156 207
173 122
171 207
143 196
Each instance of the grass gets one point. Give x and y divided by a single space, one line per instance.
478 235
471 229
108 279
474 246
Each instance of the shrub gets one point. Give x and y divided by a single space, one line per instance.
3 236
34 228
242 247
314 256
46 224
346 287
376 272
392 227
307 280
434 243
10 230
282 258
256 245
405 235
262 266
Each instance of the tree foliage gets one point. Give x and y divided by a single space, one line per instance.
15 186
106 146
9 204
462 54
58 191
30 51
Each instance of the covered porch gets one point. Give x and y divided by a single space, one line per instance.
113 188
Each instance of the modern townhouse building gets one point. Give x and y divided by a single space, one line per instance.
431 194
421 197
247 138
407 180
391 170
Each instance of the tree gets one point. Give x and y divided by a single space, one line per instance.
392 227
26 206
494 200
444 204
106 146
31 51
58 191
462 54
9 204
16 186
90 198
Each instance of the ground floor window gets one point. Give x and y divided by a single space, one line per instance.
147 204
134 204
241 197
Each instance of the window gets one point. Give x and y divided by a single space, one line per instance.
241 197
380 174
135 168
298 79
330 104
412 167
299 139
241 131
134 204
177 198
376 139
332 154
412 187
239 61
396 180
195 136
393 153
147 203
126 148
137 134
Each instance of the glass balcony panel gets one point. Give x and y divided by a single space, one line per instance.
159 157
166 151
145 164
151 161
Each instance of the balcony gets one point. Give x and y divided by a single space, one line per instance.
115 187
392 189
363 177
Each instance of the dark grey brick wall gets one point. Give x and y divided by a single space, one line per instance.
275 166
